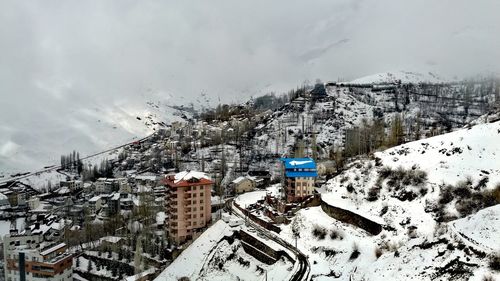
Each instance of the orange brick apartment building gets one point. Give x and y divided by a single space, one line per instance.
188 203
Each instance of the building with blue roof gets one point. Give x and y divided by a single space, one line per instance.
299 175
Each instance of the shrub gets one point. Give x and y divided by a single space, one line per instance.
373 193
462 190
336 234
385 172
355 252
350 188
384 210
319 232
423 191
495 262
482 183
446 195
378 252
412 232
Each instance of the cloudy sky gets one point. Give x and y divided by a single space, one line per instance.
67 56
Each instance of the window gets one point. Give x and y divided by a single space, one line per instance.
201 209
201 201
201 215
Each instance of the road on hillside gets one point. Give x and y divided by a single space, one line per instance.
304 267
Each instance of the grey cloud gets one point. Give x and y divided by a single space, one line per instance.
57 57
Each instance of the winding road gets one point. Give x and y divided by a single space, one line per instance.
304 267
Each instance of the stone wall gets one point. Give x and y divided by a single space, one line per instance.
351 218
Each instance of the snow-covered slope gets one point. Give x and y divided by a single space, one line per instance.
403 76
428 195
28 144
449 158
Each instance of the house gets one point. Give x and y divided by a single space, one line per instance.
243 184
188 203
299 175
261 177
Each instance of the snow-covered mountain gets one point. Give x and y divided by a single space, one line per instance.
402 76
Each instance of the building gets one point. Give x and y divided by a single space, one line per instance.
188 202
299 175
95 204
261 177
113 205
72 185
243 184
28 258
4 201
107 185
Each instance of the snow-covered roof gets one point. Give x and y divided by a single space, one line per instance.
187 175
53 249
146 177
160 218
111 239
240 179
95 198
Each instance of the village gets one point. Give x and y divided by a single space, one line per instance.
135 211
127 214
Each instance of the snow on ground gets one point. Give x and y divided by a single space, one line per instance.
330 257
209 258
452 157
414 245
482 229
344 204
83 266
41 180
192 259
249 198
404 76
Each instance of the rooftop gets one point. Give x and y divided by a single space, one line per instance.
299 163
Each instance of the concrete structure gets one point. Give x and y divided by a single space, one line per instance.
299 175
188 202
107 186
243 184
73 185
113 205
28 258
95 204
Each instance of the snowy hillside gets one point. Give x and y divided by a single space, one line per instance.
452 157
403 76
429 195
27 145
